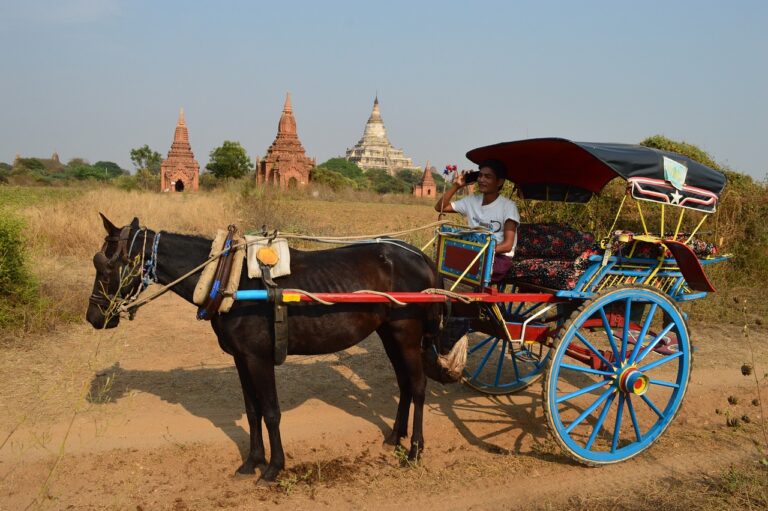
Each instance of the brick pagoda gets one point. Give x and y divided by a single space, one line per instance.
180 171
426 187
286 164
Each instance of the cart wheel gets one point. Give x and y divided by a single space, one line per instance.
496 366
609 396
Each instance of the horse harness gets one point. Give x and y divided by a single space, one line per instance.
267 258
122 254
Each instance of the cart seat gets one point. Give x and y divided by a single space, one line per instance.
550 255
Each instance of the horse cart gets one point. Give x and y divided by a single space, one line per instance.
598 318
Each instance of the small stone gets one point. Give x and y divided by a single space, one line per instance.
745 419
758 321
755 402
733 400
746 369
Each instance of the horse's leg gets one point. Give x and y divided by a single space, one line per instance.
418 390
261 372
256 456
406 336
400 427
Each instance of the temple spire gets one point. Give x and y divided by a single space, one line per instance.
287 125
181 117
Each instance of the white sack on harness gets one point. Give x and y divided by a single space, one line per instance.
280 245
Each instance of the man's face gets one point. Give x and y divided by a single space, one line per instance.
487 181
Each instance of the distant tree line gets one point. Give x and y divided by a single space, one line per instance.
338 173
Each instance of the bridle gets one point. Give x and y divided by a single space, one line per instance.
120 259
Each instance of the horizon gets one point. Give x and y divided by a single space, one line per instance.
96 78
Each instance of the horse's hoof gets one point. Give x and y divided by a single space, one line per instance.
392 439
266 484
269 475
414 455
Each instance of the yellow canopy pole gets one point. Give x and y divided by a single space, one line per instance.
642 217
696 229
679 223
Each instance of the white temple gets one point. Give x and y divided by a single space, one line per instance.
374 151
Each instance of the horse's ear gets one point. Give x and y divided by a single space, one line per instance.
135 223
109 226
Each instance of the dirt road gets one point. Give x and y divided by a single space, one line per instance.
150 416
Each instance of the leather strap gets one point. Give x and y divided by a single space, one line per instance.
212 302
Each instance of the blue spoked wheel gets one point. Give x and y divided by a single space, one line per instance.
497 366
613 387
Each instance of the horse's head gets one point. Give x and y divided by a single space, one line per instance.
117 275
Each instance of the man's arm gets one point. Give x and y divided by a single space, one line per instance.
444 202
510 230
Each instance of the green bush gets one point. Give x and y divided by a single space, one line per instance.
18 290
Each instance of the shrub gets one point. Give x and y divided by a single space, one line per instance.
18 289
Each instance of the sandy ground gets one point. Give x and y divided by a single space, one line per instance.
150 416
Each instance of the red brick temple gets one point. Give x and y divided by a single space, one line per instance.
180 171
426 187
286 164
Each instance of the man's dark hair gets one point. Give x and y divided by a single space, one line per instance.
498 168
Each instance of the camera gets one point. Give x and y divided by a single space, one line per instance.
471 177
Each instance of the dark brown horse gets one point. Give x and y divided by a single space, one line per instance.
246 332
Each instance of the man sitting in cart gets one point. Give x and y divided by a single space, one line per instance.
488 209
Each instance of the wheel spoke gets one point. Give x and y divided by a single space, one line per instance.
582 391
660 361
625 330
514 362
480 344
485 358
617 428
599 423
584 369
664 383
643 331
653 406
609 332
591 408
655 341
593 349
633 416
500 363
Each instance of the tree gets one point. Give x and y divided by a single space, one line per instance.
344 167
409 177
381 182
146 158
333 180
110 168
229 160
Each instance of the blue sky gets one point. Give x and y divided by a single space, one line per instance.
95 78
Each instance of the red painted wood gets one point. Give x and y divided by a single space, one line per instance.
410 297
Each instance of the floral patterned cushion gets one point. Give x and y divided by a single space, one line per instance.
551 255
552 241
644 249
